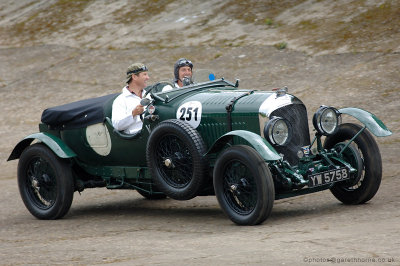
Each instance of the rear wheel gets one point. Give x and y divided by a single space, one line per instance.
243 185
45 182
369 174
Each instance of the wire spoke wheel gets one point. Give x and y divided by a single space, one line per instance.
45 182
174 161
175 156
352 155
239 188
41 183
364 155
243 185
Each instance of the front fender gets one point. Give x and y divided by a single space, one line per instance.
51 141
374 124
256 141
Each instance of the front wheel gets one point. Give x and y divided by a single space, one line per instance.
45 183
369 172
243 185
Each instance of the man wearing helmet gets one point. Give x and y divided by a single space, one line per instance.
126 107
182 74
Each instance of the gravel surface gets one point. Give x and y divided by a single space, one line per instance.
119 227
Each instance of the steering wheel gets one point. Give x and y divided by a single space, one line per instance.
157 87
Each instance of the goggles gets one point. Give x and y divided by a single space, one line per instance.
138 70
185 62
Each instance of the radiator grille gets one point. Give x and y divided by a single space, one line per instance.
296 114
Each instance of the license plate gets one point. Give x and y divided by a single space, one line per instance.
328 177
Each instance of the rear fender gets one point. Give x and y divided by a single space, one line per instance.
51 141
256 141
374 124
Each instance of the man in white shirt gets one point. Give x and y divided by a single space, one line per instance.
126 108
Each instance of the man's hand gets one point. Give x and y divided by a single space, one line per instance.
139 109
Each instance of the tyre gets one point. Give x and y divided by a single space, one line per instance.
369 168
175 158
243 185
45 182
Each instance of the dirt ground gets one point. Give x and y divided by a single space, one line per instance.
119 227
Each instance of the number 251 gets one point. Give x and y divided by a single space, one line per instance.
186 114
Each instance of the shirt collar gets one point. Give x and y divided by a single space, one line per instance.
126 92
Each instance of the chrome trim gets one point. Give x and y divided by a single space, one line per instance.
273 102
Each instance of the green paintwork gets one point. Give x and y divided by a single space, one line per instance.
51 141
131 152
256 141
117 171
124 164
374 124
245 112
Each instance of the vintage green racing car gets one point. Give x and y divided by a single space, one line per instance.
247 147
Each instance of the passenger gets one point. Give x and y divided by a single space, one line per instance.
183 71
126 108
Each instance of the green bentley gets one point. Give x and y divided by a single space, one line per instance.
247 147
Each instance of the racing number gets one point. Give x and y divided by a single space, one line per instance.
190 112
186 114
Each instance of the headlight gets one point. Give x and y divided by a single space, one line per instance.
278 131
326 120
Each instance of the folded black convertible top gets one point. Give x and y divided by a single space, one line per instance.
78 114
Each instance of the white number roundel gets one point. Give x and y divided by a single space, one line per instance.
190 112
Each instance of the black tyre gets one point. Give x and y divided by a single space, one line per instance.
45 182
243 185
369 177
175 157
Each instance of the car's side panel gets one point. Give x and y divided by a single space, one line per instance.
122 152
215 119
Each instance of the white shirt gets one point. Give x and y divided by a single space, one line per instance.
169 87
122 118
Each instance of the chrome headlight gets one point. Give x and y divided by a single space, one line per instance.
278 131
327 120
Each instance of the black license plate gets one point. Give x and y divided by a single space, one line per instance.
328 177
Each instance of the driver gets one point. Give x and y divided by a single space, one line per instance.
126 108
183 71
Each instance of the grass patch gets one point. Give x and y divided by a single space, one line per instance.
255 12
58 16
281 45
136 12
308 25
268 22
217 55
365 31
